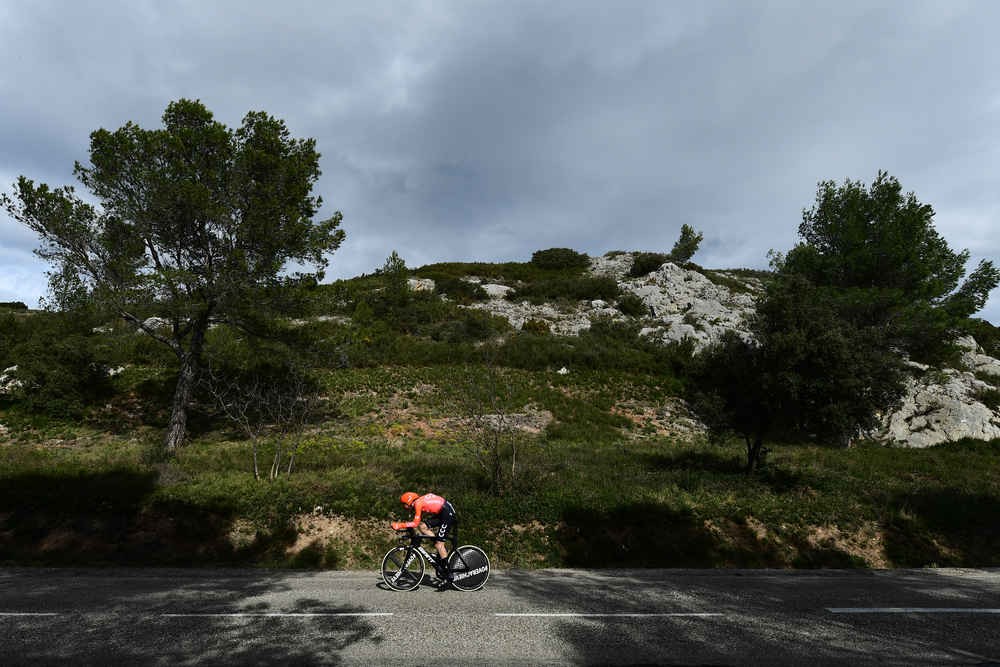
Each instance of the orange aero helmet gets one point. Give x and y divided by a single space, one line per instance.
408 498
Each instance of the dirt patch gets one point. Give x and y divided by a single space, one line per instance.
866 543
345 538
757 527
533 421
670 418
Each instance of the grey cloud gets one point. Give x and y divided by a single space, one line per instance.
489 130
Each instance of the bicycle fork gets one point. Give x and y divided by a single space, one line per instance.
406 564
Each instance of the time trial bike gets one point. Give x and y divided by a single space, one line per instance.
403 566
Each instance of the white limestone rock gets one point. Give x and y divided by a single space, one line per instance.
616 266
683 303
420 284
9 382
495 291
975 358
689 305
941 406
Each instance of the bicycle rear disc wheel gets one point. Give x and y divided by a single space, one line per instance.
402 569
470 568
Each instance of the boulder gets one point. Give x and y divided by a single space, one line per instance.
941 406
495 291
420 284
8 381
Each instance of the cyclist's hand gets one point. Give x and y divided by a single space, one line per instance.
398 525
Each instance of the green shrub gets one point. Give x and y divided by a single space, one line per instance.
987 335
559 258
470 325
537 327
632 305
60 373
989 397
645 263
578 288
460 291
13 305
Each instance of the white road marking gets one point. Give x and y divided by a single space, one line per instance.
911 610
274 613
29 613
605 615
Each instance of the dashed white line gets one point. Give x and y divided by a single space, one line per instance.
274 613
911 610
603 614
29 613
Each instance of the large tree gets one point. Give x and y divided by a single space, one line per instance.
879 246
193 223
806 373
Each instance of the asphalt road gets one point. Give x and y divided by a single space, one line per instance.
702 617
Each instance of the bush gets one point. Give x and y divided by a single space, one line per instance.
60 369
13 305
987 335
645 263
989 397
632 305
538 327
460 291
559 258
578 288
471 325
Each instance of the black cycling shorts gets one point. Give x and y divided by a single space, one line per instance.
443 521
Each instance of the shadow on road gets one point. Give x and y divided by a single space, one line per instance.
764 619
144 620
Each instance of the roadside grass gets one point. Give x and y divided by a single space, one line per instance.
593 489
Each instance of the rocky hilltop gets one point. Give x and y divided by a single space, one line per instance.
940 404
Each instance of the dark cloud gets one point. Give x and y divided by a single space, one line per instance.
489 130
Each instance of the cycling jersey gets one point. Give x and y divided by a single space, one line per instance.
430 504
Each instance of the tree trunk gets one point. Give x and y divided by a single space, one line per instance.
190 365
177 426
753 453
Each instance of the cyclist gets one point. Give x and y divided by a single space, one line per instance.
440 517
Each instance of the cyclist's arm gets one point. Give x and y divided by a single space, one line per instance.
399 525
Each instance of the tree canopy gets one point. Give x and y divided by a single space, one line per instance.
807 372
193 223
686 245
880 245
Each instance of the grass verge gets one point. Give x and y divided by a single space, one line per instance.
596 487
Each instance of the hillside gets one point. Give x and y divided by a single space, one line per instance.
673 304
577 376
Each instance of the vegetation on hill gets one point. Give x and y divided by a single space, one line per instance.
603 481
309 407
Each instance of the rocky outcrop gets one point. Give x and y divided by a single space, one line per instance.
976 360
680 304
941 406
686 304
8 381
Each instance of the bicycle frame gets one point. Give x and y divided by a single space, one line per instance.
416 547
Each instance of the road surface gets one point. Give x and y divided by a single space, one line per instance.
703 617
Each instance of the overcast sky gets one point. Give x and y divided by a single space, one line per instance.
461 131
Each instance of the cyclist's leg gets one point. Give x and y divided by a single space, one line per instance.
446 522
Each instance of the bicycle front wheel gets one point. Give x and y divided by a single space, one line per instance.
402 569
470 568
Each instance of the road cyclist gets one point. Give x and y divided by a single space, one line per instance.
434 519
